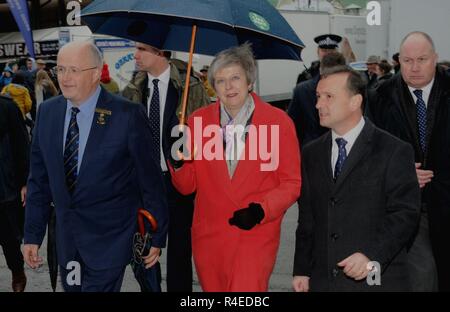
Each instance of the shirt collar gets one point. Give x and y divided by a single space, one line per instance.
425 90
164 77
351 135
89 105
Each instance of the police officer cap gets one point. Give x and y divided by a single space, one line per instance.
328 41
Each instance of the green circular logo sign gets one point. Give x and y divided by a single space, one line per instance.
259 21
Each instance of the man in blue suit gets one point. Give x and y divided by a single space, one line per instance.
90 155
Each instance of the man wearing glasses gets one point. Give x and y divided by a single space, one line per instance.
90 157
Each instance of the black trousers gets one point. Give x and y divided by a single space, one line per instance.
11 234
439 235
179 250
421 264
80 278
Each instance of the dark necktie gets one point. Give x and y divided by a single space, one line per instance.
421 112
154 116
71 151
342 156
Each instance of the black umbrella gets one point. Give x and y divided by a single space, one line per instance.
149 279
52 257
206 27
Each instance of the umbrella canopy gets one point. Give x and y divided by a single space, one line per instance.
204 26
221 24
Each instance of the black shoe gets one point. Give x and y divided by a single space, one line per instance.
19 281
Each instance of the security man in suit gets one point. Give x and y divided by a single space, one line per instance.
158 86
414 105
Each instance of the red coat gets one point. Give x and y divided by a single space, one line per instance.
226 257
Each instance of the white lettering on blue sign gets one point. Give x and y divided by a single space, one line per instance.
127 58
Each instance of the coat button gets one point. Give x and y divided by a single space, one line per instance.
334 236
333 201
335 272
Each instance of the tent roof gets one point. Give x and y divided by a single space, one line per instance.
353 6
360 3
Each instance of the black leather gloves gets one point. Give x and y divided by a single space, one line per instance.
247 218
174 159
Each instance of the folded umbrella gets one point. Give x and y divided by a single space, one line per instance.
149 279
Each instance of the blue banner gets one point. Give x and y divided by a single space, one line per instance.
19 10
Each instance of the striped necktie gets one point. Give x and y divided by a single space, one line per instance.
421 112
71 151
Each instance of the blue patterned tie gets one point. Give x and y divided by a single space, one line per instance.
342 156
421 119
71 151
154 117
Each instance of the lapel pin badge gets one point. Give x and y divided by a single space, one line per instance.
101 119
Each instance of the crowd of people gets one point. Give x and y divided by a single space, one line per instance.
365 155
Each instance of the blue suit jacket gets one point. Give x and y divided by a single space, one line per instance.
116 177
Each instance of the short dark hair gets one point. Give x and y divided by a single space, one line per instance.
444 63
385 66
356 84
167 54
332 59
395 57
18 78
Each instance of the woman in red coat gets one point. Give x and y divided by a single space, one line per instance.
245 180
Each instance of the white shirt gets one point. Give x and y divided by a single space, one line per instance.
425 92
163 86
350 137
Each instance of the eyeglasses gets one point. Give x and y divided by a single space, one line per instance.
61 70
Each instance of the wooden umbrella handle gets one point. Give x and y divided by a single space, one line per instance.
188 76
142 213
